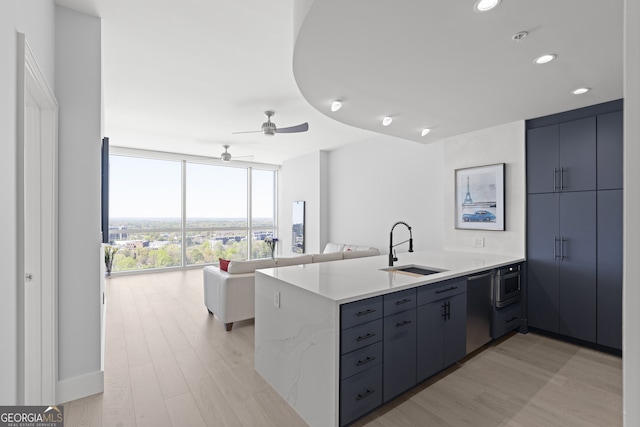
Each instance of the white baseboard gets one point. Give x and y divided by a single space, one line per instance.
81 386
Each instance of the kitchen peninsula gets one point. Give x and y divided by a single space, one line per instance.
301 342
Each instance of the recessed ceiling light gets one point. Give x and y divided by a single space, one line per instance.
386 121
580 90
425 131
545 58
336 105
486 5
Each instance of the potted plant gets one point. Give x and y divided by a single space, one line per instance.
109 254
271 242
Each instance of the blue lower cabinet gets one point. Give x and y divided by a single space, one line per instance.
441 335
360 394
391 351
399 353
506 320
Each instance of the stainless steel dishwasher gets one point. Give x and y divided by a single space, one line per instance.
479 310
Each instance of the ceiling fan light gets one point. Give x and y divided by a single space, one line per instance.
580 90
545 58
486 5
336 105
425 131
386 121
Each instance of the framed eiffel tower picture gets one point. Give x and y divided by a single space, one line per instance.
480 198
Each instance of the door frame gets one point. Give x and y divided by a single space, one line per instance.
32 87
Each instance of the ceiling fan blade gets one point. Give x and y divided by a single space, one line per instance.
249 131
292 129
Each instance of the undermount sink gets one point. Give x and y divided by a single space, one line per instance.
416 270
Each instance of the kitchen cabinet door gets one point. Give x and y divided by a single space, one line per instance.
399 366
578 253
610 268
610 151
578 155
542 159
430 340
543 233
455 331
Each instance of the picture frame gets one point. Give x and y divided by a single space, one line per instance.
479 198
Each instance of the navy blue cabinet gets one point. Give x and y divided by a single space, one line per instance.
610 268
577 252
610 151
399 369
543 225
399 372
361 358
442 333
562 157
574 228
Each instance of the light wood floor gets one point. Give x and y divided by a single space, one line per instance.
169 363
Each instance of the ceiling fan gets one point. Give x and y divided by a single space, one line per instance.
269 128
226 156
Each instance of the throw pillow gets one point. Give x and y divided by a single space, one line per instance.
224 264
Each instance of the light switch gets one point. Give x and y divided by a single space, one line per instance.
276 299
478 242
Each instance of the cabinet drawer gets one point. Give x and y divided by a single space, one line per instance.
360 394
360 360
438 291
505 320
359 312
399 301
361 335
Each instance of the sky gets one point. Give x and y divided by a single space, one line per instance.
146 188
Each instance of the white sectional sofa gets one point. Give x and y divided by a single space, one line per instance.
230 295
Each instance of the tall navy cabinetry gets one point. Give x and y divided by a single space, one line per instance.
574 223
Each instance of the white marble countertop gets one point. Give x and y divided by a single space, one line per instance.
354 279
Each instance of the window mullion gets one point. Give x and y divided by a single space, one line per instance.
184 213
249 214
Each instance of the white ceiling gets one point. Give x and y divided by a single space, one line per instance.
182 76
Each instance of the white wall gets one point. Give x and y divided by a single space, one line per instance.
303 178
631 290
78 90
500 144
34 18
376 183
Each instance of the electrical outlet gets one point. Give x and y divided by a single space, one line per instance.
276 299
478 242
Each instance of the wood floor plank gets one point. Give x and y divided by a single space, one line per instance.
183 410
148 401
208 397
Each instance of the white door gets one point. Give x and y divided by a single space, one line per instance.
32 256
37 145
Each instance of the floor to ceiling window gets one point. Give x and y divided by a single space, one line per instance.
184 211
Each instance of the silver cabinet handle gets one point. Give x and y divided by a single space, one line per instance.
561 179
555 179
562 241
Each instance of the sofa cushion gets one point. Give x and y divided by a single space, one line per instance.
360 253
294 260
350 248
224 264
333 247
237 267
330 256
